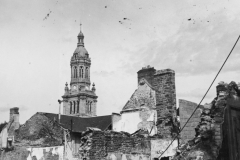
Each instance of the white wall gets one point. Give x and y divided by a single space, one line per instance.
39 154
128 122
158 147
3 137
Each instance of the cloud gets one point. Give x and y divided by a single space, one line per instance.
103 73
4 109
194 49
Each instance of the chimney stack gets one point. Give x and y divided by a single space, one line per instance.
147 73
14 120
14 114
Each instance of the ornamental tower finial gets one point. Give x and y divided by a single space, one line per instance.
80 37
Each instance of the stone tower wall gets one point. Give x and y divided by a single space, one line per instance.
164 84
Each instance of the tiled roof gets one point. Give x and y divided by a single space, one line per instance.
80 124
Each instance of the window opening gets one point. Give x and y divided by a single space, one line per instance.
74 108
70 107
86 72
75 72
77 106
81 72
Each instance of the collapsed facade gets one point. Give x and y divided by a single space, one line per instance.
217 133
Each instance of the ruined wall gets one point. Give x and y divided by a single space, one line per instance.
186 109
209 132
164 84
40 131
132 121
103 145
158 146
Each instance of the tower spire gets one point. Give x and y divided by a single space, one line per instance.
80 37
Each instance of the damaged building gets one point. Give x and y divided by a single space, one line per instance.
217 128
145 129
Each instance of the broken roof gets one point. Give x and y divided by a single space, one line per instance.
80 124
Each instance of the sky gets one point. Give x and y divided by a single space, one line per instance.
38 38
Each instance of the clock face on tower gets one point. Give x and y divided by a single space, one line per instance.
74 87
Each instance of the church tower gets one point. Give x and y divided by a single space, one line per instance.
79 99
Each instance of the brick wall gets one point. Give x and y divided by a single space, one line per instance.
98 144
164 84
186 108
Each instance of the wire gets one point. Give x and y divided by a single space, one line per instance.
202 98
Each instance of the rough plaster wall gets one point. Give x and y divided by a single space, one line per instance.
186 108
159 145
130 121
51 153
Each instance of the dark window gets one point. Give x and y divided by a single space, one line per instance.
86 72
75 72
77 106
81 72
70 107
74 108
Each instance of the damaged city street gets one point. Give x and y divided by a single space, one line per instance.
120 80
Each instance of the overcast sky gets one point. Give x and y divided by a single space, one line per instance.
38 38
